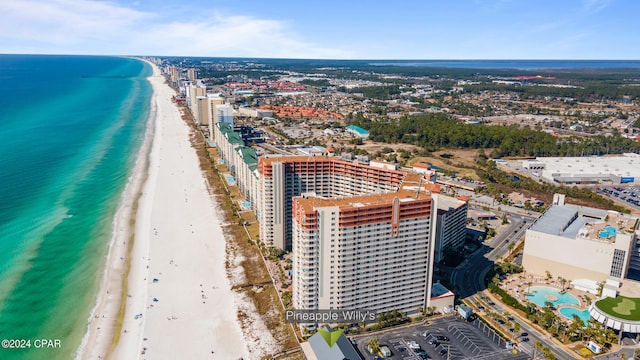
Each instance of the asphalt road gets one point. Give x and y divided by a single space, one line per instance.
469 278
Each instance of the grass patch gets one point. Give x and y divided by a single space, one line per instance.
621 307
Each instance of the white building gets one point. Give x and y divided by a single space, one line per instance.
623 168
451 223
216 100
576 242
254 113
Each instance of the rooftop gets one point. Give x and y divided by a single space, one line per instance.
627 165
572 221
357 129
447 203
341 350
362 200
438 290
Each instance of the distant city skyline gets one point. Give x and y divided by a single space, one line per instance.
412 29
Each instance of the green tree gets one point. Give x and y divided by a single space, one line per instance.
374 345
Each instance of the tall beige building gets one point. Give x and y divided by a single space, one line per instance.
362 252
191 74
194 93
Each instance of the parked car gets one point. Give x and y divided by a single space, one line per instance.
442 338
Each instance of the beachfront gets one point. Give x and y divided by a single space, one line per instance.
179 304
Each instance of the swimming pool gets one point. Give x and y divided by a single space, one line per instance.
230 179
541 294
608 231
568 312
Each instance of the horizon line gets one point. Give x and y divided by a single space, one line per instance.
324 59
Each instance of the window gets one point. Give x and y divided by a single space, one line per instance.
617 263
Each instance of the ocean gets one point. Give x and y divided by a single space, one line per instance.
70 131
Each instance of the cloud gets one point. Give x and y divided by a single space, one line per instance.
94 27
594 6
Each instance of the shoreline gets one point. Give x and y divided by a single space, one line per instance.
111 291
165 291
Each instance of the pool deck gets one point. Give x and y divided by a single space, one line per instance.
520 282
630 288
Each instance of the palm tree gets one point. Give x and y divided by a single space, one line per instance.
537 348
374 345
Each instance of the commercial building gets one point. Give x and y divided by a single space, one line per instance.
174 75
451 224
191 74
284 177
227 141
247 176
362 252
254 113
242 162
317 348
193 92
220 113
202 113
362 236
618 169
442 299
576 242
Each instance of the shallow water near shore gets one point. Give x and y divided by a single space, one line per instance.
70 131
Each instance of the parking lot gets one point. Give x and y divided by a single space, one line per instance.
627 195
445 338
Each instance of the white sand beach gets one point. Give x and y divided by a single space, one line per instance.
179 303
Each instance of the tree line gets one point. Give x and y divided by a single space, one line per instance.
435 131
589 93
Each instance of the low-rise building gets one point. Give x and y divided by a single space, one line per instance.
357 131
317 348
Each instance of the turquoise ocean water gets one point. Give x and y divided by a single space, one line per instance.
70 131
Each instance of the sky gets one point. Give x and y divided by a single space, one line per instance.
329 29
